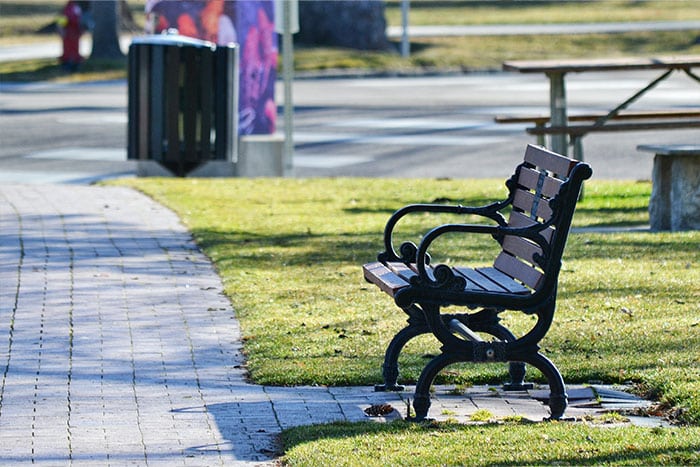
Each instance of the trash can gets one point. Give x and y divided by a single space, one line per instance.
183 102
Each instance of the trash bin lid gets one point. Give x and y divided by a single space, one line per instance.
173 39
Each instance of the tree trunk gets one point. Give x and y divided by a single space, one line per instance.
357 24
105 35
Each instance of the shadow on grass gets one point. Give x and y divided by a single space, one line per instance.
50 69
335 249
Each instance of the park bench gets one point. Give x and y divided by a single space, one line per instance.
542 195
581 125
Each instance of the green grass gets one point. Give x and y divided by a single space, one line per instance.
458 12
50 69
23 19
472 53
20 20
290 251
460 53
402 443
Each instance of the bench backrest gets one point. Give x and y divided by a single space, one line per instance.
543 192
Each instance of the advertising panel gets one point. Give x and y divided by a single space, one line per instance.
250 23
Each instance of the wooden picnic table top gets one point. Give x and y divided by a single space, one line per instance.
602 64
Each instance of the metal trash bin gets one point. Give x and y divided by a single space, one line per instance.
183 102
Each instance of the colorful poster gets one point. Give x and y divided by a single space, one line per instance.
250 23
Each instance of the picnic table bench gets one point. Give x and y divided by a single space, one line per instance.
542 196
579 126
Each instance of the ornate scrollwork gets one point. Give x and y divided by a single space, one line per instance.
540 260
555 203
445 278
408 251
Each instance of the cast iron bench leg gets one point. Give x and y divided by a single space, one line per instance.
558 399
390 368
421 398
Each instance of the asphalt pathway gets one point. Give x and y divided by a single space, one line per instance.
118 346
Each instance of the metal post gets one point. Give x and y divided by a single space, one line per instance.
405 42
557 115
288 76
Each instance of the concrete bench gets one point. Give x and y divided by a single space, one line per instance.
675 195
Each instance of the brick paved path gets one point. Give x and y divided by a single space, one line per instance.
117 345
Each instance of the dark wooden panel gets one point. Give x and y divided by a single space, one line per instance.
478 281
518 219
172 108
511 285
382 277
207 106
405 272
578 130
624 115
542 158
515 268
530 178
526 201
190 103
521 248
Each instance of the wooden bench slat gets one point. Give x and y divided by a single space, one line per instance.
537 119
478 281
578 130
381 276
636 115
402 270
530 178
515 268
522 248
526 201
503 280
518 219
544 159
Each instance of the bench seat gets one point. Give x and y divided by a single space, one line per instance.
391 277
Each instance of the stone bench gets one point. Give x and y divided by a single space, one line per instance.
675 194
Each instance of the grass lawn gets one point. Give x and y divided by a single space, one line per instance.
407 444
289 252
458 12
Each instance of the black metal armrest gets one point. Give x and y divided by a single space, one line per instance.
490 211
432 235
498 232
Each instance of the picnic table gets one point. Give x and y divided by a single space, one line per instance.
556 71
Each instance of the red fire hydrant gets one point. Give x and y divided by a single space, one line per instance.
70 27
